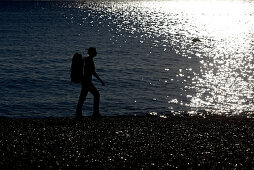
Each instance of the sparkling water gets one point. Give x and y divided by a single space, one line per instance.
146 57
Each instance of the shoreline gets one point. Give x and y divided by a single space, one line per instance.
127 142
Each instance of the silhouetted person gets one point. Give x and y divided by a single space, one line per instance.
87 85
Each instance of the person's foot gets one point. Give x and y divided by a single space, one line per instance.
96 116
78 115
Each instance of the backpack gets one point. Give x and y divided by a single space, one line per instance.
77 68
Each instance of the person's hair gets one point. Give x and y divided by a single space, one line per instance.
91 51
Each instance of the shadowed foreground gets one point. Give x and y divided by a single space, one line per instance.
114 142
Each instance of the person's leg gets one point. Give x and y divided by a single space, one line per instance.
96 95
82 98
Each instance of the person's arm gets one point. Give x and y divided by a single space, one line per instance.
97 76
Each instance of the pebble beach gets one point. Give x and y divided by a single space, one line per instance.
127 142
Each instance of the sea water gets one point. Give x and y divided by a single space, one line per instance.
146 57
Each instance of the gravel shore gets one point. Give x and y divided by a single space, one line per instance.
127 142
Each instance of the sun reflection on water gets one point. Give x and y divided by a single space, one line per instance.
225 82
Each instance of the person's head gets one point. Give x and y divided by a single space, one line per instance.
91 52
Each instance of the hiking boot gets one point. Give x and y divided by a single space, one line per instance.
79 114
96 116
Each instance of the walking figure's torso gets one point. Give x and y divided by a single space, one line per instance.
89 69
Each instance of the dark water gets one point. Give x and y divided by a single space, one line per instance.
145 56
